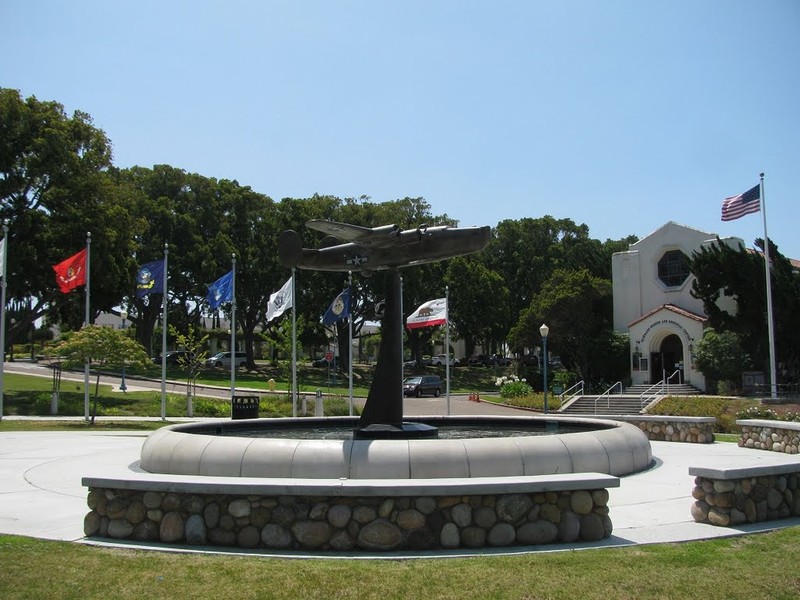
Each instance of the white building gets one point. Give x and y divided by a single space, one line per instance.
653 304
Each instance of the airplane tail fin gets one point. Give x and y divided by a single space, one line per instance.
290 248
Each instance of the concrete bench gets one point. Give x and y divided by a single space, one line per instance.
765 489
764 434
669 428
348 514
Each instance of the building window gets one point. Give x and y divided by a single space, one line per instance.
673 268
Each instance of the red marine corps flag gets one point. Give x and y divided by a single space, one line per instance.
71 272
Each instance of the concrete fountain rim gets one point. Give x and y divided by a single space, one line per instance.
614 447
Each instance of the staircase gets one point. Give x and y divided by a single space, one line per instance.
629 402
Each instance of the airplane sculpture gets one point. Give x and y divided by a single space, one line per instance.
349 247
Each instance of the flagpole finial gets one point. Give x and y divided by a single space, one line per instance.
761 175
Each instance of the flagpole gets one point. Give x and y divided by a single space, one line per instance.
402 333
294 347
233 329
447 343
164 335
3 271
350 334
773 385
86 318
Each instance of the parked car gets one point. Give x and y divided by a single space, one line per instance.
321 362
500 361
479 360
441 360
223 359
425 384
175 357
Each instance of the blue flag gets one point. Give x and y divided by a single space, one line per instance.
220 291
339 308
150 279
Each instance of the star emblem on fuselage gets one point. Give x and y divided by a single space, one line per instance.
356 260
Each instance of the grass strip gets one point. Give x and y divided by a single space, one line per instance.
755 566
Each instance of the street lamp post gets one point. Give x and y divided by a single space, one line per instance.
544 330
122 386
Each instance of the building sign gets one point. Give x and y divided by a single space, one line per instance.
665 322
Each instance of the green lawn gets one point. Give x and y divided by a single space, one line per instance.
753 566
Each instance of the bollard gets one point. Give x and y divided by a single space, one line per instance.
54 403
319 410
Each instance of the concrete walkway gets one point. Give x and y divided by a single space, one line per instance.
41 493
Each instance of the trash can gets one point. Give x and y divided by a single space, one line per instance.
244 407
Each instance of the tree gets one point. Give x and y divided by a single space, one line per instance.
54 188
722 271
577 308
721 358
101 347
195 345
478 299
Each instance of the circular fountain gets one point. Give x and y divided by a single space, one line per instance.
324 448
373 483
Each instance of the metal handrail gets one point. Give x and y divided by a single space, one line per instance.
607 394
668 379
643 396
578 386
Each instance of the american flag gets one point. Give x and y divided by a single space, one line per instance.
741 205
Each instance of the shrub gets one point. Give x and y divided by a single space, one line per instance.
512 386
208 407
757 412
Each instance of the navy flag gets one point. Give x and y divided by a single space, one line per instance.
150 279
220 291
339 308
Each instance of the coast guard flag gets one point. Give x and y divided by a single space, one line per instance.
734 207
220 291
150 279
432 312
339 308
280 301
71 273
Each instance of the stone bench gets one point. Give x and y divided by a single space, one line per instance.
764 490
763 434
341 515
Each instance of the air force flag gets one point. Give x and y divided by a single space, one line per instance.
220 291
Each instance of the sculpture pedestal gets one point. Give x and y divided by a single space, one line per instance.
382 417
406 431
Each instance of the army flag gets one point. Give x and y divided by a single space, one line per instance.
71 273
150 279
220 291
280 301
432 312
339 308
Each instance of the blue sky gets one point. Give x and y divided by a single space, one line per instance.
622 115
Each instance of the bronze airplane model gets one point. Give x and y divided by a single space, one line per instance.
349 247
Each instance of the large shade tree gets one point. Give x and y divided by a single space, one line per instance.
54 189
736 272
577 308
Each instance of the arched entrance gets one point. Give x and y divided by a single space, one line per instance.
667 360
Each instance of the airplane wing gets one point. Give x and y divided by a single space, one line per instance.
346 232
